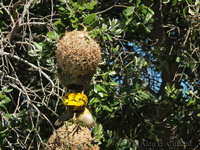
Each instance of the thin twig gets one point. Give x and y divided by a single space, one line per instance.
8 12
30 64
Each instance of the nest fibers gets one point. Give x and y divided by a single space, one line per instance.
71 137
78 56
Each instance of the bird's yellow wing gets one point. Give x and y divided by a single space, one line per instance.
75 101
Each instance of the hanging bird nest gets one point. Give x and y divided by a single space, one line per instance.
78 56
72 137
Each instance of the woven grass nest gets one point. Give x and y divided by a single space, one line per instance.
72 138
78 56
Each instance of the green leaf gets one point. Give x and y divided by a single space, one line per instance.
98 132
63 1
7 90
106 108
21 113
129 11
4 99
1 12
93 101
80 2
109 37
95 88
74 25
166 65
98 109
191 12
100 88
3 106
91 5
89 18
38 46
138 2
185 10
53 35
81 8
178 59
174 2
104 26
100 94
115 49
8 115
166 1
111 73
149 15
144 95
59 23
118 31
74 20
170 89
191 101
113 83
197 2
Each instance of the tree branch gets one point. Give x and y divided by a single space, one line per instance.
30 64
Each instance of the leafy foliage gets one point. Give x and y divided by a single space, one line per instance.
145 93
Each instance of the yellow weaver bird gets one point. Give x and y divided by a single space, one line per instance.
75 101
83 116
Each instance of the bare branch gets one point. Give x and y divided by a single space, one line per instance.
30 64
